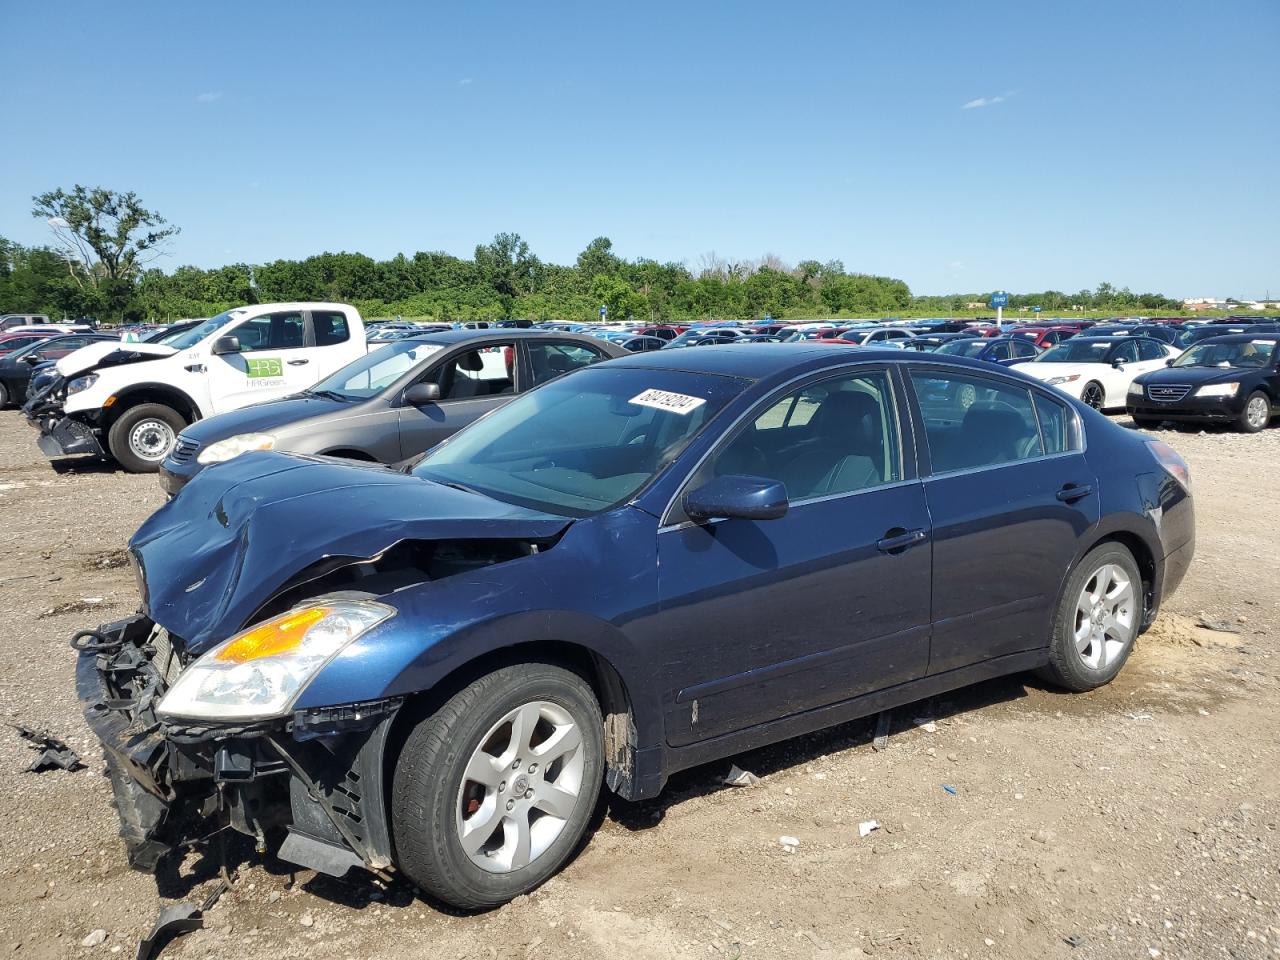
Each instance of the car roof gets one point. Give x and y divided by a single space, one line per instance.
1242 338
758 361
448 337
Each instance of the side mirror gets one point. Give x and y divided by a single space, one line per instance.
737 497
1118 362
1169 362
34 358
228 344
422 393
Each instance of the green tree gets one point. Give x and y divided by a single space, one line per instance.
507 265
105 239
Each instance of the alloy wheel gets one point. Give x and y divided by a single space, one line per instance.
1093 396
520 787
1258 412
1105 616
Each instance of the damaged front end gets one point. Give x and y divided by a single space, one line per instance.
316 775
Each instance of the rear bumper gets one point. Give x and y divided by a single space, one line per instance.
67 437
316 776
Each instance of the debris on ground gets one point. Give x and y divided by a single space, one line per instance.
1073 940
737 777
866 826
178 919
1138 716
789 844
883 722
925 724
54 753
950 789
83 605
1217 626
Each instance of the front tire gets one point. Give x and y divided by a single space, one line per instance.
1094 395
143 436
4 396
493 792
1256 414
1098 620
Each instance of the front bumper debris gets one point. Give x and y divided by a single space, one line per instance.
315 777
67 437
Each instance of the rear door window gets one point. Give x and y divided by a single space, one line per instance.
550 360
329 327
272 331
973 422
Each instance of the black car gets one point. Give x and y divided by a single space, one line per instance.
15 369
392 403
1001 350
1230 379
928 342
1191 335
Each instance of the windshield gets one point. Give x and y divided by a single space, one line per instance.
201 330
583 443
1253 353
968 347
374 372
1077 351
1192 335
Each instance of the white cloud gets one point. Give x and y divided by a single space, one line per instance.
209 97
465 82
986 101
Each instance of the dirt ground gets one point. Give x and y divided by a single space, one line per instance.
1140 820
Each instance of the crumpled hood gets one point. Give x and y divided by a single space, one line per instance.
214 554
101 355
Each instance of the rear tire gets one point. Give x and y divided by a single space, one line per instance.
1098 620
1256 413
143 436
474 787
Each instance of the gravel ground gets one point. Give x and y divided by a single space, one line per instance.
1139 820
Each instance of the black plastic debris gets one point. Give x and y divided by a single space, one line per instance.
54 754
175 920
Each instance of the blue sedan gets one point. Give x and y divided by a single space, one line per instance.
648 564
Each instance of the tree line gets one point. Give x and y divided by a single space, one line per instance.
98 265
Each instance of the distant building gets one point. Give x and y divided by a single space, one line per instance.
975 306
1204 303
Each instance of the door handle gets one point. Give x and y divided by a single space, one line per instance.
1074 491
898 540
297 363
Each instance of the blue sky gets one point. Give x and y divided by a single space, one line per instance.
959 146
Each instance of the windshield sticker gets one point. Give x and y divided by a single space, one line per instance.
671 402
265 367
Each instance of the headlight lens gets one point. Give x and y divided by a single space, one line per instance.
232 447
1054 381
1218 390
82 383
1135 389
259 673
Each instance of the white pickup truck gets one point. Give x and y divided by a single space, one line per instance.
130 400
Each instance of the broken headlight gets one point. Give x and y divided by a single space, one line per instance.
259 673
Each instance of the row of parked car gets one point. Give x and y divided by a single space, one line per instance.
177 398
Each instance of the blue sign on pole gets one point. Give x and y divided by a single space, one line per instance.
1036 309
999 299
604 311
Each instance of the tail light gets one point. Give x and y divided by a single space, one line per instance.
1173 464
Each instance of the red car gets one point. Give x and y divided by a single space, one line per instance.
1046 336
663 331
10 342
